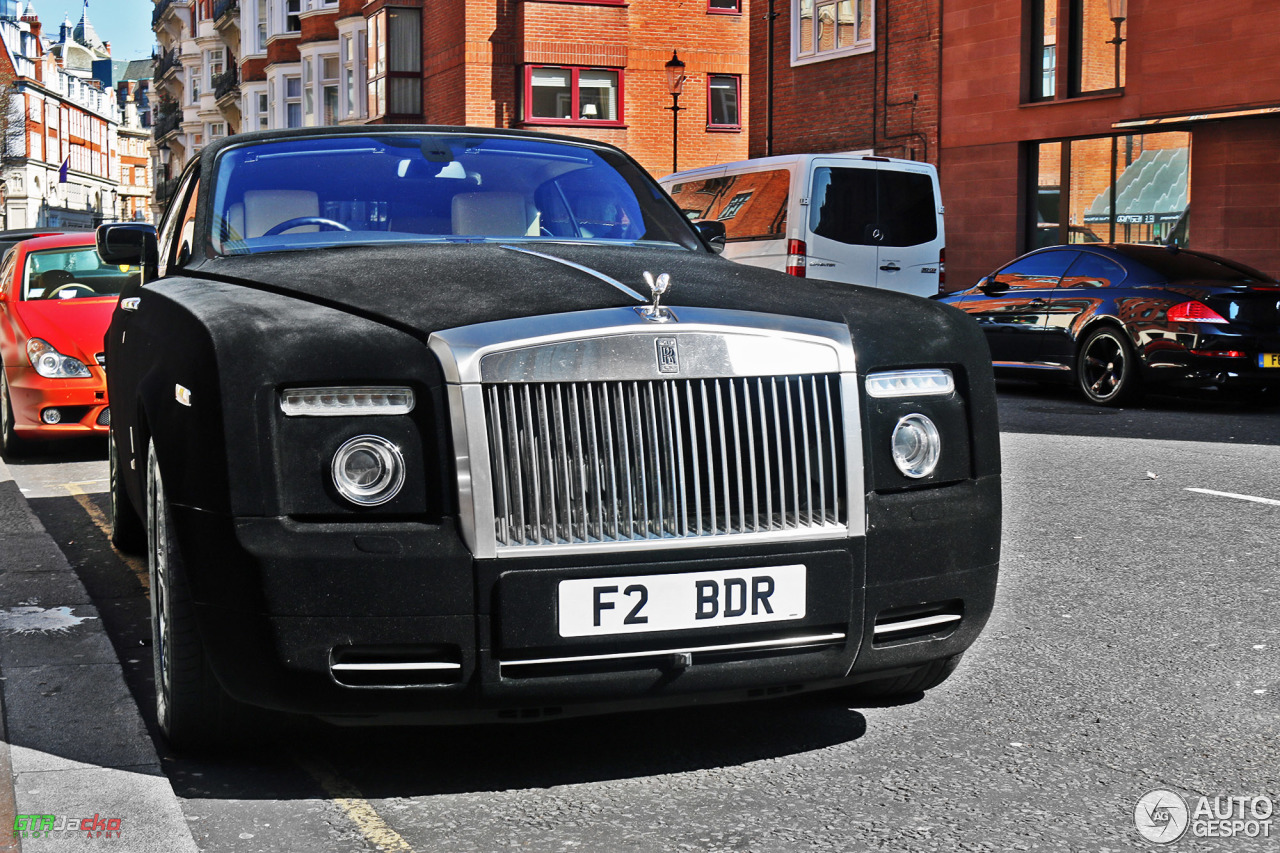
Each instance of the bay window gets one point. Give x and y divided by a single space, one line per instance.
395 62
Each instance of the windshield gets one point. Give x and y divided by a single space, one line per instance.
73 274
337 190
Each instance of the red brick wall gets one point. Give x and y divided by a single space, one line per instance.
474 58
844 103
1235 192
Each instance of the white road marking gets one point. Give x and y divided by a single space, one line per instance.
1257 500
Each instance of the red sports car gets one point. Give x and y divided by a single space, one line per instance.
56 299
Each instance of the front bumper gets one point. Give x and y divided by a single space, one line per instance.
82 404
282 605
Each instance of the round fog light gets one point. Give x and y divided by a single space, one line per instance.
368 470
916 446
51 416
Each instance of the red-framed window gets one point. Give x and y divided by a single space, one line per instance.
573 95
723 102
724 7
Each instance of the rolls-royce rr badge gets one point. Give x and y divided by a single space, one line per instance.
668 356
657 286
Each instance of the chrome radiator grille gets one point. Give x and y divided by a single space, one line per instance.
669 459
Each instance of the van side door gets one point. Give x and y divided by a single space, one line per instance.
840 231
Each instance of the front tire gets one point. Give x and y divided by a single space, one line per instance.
1106 368
128 533
10 444
190 704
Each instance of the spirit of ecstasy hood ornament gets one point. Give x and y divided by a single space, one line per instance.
656 313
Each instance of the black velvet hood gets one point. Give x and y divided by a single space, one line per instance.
423 288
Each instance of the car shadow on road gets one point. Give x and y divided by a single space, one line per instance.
1204 415
385 762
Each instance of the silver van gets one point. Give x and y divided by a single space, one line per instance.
854 218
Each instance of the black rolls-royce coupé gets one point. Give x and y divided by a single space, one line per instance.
446 424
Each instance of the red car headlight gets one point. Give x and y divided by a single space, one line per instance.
52 364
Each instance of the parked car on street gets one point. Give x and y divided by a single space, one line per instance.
56 299
448 424
1115 318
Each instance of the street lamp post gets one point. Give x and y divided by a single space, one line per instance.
1119 11
675 85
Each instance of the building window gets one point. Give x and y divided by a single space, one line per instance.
193 83
1096 61
724 7
293 101
328 90
573 95
825 29
722 101
260 13
264 111
214 61
292 9
216 130
308 93
1132 188
353 59
395 62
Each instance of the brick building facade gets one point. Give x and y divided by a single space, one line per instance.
849 75
593 68
1043 143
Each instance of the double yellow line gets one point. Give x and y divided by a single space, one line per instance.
342 793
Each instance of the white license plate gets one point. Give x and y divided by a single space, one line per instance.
633 605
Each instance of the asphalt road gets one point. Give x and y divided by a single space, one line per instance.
1135 646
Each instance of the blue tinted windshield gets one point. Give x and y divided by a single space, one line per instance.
333 190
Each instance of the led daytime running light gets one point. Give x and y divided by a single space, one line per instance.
340 401
910 383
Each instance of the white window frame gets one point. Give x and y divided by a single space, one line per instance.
215 64
287 100
866 45
324 83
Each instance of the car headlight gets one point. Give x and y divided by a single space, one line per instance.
916 446
368 470
52 364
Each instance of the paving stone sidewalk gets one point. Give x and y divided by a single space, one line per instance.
72 743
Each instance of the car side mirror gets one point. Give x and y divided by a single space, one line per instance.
712 233
991 287
127 243
132 243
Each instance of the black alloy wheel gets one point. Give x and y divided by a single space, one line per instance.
1106 368
128 533
10 444
191 706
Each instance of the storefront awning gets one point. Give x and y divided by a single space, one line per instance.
1143 123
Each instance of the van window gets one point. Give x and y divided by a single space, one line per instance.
752 206
873 207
